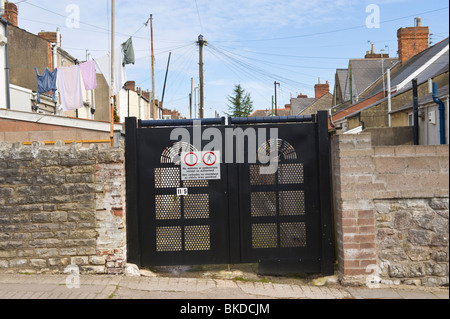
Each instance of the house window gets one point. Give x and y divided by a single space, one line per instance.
410 119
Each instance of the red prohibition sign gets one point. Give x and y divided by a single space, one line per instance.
210 160
188 163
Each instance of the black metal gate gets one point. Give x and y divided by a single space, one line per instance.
280 220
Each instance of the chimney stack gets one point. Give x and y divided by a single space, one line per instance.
49 36
11 13
372 55
131 85
321 89
412 40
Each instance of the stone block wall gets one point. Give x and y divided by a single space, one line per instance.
61 205
391 209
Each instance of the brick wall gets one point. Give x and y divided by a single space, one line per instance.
59 206
375 188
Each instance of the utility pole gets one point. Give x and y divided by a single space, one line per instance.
273 103
113 31
153 70
276 103
165 81
192 93
201 42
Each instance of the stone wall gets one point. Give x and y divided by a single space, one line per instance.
61 205
391 210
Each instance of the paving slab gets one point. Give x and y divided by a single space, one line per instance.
122 287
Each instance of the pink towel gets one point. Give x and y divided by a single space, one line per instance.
89 75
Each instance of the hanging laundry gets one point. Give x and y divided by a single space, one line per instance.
103 65
46 83
69 84
128 52
89 75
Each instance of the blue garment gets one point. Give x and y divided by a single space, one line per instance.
46 83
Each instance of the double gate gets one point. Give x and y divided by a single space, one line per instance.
281 220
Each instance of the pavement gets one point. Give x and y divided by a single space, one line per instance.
170 288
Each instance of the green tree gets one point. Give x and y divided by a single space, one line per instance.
240 103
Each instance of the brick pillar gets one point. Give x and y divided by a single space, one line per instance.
353 183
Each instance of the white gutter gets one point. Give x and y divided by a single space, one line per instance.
421 69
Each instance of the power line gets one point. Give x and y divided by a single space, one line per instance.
104 30
198 14
333 31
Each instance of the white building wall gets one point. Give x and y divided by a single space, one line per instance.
3 84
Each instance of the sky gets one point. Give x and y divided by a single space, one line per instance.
250 42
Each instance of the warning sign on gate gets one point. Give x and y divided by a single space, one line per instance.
197 166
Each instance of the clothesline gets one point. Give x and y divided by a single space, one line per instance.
67 80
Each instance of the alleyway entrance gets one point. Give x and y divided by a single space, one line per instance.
261 194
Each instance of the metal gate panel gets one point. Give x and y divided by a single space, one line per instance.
178 230
280 218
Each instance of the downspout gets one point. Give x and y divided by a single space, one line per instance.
389 97
8 92
441 113
363 125
415 112
331 119
55 64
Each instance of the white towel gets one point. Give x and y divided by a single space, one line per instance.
69 87
103 66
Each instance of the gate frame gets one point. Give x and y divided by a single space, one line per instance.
274 266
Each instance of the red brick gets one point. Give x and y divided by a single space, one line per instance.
367 230
354 271
366 222
365 214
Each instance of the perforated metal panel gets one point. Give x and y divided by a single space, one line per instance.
169 239
196 206
264 236
290 173
167 177
292 235
167 207
292 203
256 178
264 204
197 238
199 183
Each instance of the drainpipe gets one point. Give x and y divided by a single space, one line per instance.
389 97
441 113
8 93
415 112
55 64
331 118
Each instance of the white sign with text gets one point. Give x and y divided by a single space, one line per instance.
197 166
